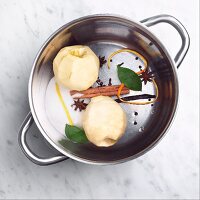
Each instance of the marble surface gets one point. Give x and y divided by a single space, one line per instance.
169 171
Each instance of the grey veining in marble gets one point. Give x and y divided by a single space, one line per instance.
169 171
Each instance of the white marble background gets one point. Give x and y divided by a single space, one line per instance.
169 171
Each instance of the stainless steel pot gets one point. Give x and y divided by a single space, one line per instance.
104 34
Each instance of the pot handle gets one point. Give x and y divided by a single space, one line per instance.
28 121
179 27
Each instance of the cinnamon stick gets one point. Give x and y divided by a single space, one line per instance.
93 92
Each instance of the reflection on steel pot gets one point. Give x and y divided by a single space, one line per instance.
105 34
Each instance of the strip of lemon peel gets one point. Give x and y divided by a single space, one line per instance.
130 51
138 102
64 105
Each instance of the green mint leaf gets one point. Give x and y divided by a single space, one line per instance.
75 134
130 79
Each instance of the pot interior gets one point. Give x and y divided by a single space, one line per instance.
106 34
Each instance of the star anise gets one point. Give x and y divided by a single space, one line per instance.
102 60
79 105
146 76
